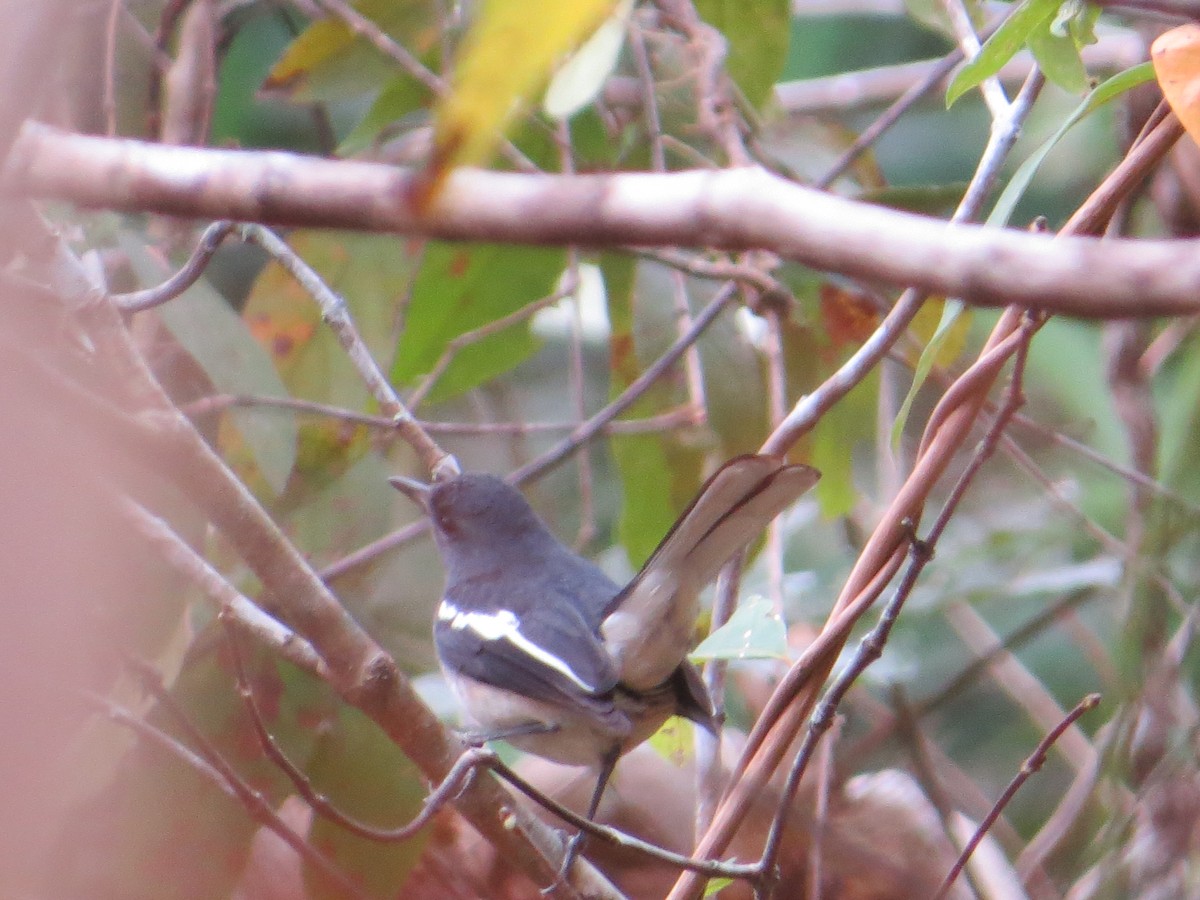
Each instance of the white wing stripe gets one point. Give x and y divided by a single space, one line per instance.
503 625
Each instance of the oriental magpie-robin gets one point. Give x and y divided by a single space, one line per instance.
547 652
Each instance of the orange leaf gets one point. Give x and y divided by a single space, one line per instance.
849 317
1176 57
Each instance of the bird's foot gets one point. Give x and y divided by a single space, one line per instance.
574 845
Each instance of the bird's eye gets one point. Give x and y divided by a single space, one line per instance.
446 524
442 512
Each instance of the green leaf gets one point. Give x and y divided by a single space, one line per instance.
1059 58
675 741
461 288
754 631
1102 94
400 97
1001 46
716 885
647 508
217 338
735 389
758 32
834 437
1081 23
952 311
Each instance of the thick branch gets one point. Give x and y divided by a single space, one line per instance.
731 209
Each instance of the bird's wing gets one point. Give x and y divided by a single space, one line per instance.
540 647
648 627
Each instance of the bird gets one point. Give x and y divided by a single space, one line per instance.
545 651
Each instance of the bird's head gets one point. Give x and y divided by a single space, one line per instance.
475 515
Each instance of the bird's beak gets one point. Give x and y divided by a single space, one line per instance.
416 491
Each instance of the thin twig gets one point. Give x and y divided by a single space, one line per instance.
693 375
964 31
381 41
777 398
919 752
217 403
187 275
451 785
1107 539
336 315
872 133
708 867
722 270
820 824
1019 636
1006 128
1028 768
716 111
1092 455
1094 213
589 429
333 311
1117 49
226 600
710 774
1024 689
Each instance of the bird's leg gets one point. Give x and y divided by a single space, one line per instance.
607 763
479 738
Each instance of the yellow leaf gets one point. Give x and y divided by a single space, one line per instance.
673 741
507 57
951 338
1176 57
319 42
330 54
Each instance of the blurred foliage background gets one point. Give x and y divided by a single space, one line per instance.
1092 577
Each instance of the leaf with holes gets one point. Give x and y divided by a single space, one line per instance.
754 631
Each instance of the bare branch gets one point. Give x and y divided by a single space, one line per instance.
848 91
336 315
732 209
238 609
188 274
